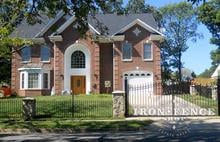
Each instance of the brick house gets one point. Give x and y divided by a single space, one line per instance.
62 60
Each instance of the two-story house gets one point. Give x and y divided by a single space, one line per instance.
61 59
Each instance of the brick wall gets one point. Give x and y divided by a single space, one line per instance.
137 61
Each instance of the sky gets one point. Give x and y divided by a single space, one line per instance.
197 57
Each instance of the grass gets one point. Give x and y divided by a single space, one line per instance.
83 106
76 125
202 101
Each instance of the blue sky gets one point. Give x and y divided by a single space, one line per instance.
197 57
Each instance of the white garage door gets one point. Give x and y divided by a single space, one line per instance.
140 87
140 82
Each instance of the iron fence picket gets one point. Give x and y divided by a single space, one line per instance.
178 93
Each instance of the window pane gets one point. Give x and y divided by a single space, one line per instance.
126 51
147 51
78 60
33 80
45 80
45 53
26 53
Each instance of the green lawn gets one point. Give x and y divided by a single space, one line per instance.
83 106
202 101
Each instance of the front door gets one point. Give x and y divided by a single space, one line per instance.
78 84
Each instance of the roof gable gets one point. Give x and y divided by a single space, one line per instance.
115 25
119 23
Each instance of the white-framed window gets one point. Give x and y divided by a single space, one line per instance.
34 79
45 54
147 52
126 52
78 60
26 54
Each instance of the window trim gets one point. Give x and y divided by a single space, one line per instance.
151 59
40 73
33 81
127 60
46 47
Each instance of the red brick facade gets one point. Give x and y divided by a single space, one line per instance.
105 62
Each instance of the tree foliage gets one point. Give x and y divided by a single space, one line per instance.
180 23
13 11
139 6
209 15
196 1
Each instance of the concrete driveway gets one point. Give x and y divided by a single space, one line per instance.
165 105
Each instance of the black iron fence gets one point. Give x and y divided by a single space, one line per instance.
169 99
60 107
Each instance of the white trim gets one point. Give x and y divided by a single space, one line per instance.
38 40
54 38
216 72
126 60
49 24
65 25
141 23
70 21
68 71
157 37
113 66
40 73
152 57
93 29
147 74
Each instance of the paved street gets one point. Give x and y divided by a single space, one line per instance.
168 129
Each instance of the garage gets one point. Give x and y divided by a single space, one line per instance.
140 82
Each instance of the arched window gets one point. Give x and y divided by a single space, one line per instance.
78 60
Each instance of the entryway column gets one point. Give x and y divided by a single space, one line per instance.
96 80
57 69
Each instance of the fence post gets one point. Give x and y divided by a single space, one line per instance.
118 104
126 97
29 108
218 97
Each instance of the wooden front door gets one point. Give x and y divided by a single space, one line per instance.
78 84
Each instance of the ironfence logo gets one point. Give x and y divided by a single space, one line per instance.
174 127
173 111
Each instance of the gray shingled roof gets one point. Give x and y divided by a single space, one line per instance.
27 31
113 22
116 22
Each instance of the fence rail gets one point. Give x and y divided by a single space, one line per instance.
174 99
60 108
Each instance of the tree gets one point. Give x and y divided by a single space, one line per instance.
13 11
208 72
196 1
180 23
136 6
139 6
209 15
